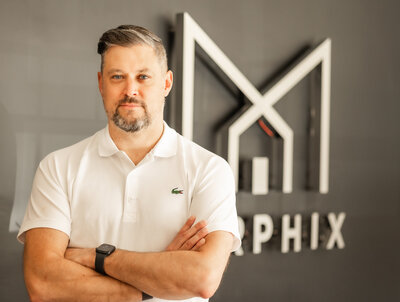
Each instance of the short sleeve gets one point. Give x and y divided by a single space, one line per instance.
48 206
214 199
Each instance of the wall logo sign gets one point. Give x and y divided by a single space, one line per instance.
262 106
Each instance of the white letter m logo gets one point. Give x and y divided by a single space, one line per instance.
189 32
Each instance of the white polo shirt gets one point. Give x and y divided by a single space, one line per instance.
95 194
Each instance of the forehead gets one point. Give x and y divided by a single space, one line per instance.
131 58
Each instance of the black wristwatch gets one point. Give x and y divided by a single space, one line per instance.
102 252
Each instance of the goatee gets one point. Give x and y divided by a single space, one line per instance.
136 124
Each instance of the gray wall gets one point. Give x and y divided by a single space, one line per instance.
49 99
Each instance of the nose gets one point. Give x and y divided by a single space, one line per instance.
131 88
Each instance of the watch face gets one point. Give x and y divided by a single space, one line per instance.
105 249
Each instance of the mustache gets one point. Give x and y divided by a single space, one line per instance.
131 100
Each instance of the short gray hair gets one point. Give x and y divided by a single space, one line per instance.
129 35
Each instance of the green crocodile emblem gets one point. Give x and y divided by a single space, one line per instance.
176 191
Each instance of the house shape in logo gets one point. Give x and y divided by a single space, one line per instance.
189 33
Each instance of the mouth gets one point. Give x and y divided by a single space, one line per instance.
130 105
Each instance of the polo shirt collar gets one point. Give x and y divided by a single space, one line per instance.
166 146
107 146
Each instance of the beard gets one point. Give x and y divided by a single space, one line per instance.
136 124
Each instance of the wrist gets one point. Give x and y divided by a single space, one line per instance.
91 259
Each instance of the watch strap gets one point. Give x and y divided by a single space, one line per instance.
99 263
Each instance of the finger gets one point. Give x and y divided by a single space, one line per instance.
180 236
199 244
190 243
181 240
194 230
188 224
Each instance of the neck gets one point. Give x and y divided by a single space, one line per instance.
136 144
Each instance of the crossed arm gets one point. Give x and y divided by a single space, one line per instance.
192 265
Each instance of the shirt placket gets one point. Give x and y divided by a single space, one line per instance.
131 197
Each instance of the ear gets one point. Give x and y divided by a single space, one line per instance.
100 82
169 79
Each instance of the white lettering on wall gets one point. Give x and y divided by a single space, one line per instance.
260 236
336 224
291 233
314 231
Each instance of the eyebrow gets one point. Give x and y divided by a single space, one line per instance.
115 70
144 70
121 71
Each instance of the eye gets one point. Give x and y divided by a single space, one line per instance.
116 77
143 77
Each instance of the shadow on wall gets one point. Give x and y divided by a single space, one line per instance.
7 162
12 282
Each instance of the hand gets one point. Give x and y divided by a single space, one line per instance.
189 237
85 257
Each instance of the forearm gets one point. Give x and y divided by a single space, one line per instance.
192 266
49 276
64 280
167 275
175 274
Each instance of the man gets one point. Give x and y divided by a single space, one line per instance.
134 191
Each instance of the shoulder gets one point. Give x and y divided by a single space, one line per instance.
199 152
201 159
69 156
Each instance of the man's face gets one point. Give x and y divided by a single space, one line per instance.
133 85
